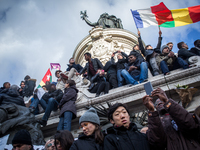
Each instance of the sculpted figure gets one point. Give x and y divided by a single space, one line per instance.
105 20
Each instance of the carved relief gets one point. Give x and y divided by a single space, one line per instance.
102 45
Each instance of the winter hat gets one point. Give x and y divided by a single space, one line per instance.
90 116
22 137
163 47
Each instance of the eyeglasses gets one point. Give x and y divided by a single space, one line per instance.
18 145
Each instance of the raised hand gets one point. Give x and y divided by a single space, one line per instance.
160 94
147 101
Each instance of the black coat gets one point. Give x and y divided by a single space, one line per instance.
110 68
195 51
185 54
185 138
67 103
76 66
57 95
86 143
29 87
120 63
8 96
121 138
96 64
96 79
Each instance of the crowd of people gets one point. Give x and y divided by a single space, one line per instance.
170 126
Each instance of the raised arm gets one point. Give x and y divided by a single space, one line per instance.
141 47
155 133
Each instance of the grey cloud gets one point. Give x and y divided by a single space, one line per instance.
37 33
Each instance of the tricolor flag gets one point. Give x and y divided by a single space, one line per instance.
47 77
161 16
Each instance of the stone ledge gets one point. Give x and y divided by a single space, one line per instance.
132 96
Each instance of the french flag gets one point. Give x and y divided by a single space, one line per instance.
155 15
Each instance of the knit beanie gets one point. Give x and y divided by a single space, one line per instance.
22 137
163 47
90 116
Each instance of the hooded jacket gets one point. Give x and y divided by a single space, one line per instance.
86 143
121 138
120 63
8 96
185 138
67 103
76 66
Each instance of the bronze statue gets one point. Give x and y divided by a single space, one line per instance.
105 20
15 117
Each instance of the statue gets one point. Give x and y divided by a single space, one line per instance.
15 117
105 20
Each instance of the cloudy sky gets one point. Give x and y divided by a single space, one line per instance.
35 33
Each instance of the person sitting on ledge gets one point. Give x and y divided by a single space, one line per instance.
73 68
91 67
49 102
122 59
167 61
150 53
99 83
137 68
183 51
196 49
6 85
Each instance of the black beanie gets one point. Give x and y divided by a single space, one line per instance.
22 137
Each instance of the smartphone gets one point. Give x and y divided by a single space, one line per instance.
148 88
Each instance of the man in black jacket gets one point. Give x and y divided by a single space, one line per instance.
29 87
6 85
73 68
92 66
183 51
196 49
111 70
124 135
122 59
150 53
49 102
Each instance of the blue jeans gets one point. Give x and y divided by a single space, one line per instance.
143 72
48 106
120 79
178 63
65 121
129 79
34 103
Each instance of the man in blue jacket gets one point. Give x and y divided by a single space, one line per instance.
135 70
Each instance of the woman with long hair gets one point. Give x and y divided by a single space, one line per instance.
63 140
92 137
